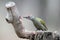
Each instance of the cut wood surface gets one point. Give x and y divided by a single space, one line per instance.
7 31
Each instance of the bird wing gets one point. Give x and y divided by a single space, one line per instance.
42 22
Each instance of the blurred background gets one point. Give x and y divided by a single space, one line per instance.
48 10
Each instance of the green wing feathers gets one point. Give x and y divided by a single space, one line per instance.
42 22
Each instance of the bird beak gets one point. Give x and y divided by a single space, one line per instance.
25 17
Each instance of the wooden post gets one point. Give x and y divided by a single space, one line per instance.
15 20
